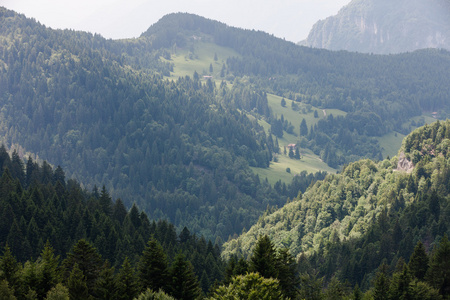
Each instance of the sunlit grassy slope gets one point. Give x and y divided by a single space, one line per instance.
391 142
198 58
309 161
305 111
200 55
186 62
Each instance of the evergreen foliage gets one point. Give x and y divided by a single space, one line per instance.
100 109
347 225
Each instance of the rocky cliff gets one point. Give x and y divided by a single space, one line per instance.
384 26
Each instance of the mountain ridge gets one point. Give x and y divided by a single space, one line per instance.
384 27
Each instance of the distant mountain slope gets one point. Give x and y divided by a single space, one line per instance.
383 26
101 110
349 223
387 90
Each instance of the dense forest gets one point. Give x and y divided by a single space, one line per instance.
68 97
385 91
102 110
176 157
344 227
96 249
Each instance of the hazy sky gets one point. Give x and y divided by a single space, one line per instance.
289 19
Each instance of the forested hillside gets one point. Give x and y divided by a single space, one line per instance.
78 100
182 149
347 225
97 249
380 93
51 228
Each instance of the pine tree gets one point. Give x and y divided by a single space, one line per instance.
418 263
105 202
438 274
127 282
6 292
381 284
287 273
297 153
87 259
264 258
9 267
400 284
303 128
59 292
183 282
49 266
249 286
105 285
76 284
153 266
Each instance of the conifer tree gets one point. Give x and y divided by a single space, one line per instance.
153 267
287 273
87 259
9 267
249 286
105 202
381 284
400 284
418 263
264 258
183 282
59 292
438 274
105 285
127 283
6 292
303 128
76 284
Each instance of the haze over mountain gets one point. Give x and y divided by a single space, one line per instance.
187 125
129 18
383 26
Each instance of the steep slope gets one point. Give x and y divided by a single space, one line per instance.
387 90
101 110
381 26
349 223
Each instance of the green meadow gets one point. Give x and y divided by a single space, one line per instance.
198 58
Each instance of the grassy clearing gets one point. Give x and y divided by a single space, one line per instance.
277 170
390 143
306 111
187 61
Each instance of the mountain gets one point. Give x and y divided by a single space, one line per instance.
349 223
381 26
184 147
101 110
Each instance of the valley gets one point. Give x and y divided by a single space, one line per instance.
200 157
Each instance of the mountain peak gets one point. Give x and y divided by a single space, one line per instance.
380 26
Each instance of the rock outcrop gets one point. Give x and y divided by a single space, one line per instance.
384 26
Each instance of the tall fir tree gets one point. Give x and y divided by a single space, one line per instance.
87 259
153 267
183 282
127 282
438 274
303 128
264 258
418 262
77 285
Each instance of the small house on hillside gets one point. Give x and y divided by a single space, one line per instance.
292 146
